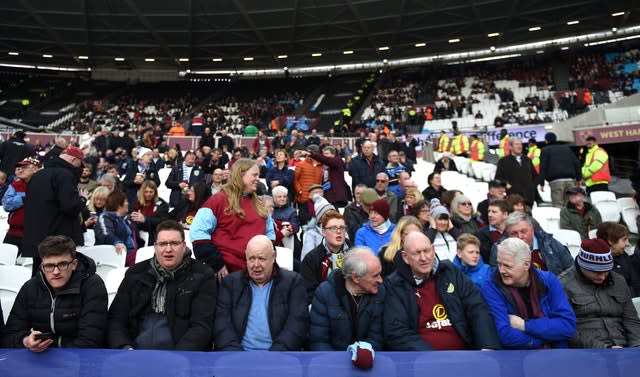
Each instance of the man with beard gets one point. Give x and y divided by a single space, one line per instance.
53 204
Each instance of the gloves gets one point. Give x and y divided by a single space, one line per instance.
362 355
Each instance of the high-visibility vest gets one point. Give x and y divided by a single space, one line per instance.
534 156
477 150
503 146
443 143
460 145
429 115
596 168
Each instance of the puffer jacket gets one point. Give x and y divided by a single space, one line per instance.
605 315
367 236
464 305
77 315
478 273
331 323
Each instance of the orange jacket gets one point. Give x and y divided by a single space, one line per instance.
306 174
177 130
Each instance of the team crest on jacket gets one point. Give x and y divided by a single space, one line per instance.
451 288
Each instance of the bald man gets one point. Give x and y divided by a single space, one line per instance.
245 317
446 306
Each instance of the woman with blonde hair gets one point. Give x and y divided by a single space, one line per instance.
98 199
406 225
150 210
463 215
227 221
411 197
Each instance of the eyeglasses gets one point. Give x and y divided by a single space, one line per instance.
336 229
62 266
466 204
173 244
381 180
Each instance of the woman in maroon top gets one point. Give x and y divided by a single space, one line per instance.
150 210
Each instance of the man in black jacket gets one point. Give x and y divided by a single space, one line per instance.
52 204
430 304
182 177
166 302
13 150
560 166
518 172
65 305
262 307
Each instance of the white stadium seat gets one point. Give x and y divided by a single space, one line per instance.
569 238
105 257
8 254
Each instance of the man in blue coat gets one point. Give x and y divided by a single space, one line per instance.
430 304
364 168
348 306
529 306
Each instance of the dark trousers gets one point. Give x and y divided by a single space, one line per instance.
598 187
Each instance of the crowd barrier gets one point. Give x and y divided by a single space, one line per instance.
120 363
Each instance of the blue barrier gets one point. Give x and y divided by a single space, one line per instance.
120 363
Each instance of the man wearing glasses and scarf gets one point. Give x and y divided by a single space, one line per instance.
166 302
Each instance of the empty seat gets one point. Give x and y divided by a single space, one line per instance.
12 278
284 257
105 257
608 210
8 254
144 253
569 238
547 217
601 196
630 217
113 280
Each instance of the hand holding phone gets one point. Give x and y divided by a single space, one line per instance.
44 336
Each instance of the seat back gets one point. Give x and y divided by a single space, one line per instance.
12 278
144 253
284 258
8 254
601 196
608 210
547 217
113 280
105 257
569 238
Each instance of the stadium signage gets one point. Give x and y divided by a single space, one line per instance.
609 135
493 134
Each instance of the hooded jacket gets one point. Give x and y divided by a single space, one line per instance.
77 314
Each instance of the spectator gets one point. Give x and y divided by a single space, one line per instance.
85 182
225 140
182 177
313 231
98 200
559 166
114 228
442 234
64 305
214 231
422 309
517 171
628 266
435 189
382 183
605 314
579 215
348 306
409 145
261 141
408 202
468 259
333 183
357 212
445 163
149 210
365 167
166 302
529 307
306 174
186 211
463 216
262 307
422 211
388 252
177 130
12 151
489 235
547 254
280 174
393 170
13 201
53 204
138 172
497 191
286 220
377 231
328 256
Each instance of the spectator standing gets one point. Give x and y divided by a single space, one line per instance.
183 176
308 173
560 167
115 228
517 171
137 172
365 167
333 184
149 210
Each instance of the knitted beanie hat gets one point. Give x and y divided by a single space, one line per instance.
437 209
595 255
381 206
321 206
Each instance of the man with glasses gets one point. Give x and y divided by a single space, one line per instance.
382 189
167 302
52 204
431 305
326 257
64 305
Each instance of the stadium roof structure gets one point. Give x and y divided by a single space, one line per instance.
250 34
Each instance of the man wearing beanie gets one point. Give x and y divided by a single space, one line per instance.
560 167
601 299
377 231
312 231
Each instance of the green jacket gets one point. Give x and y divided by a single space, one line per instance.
571 219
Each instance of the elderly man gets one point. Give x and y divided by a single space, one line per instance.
65 305
348 307
382 189
262 307
518 172
529 306
547 253
431 304
365 167
166 302
579 215
606 317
